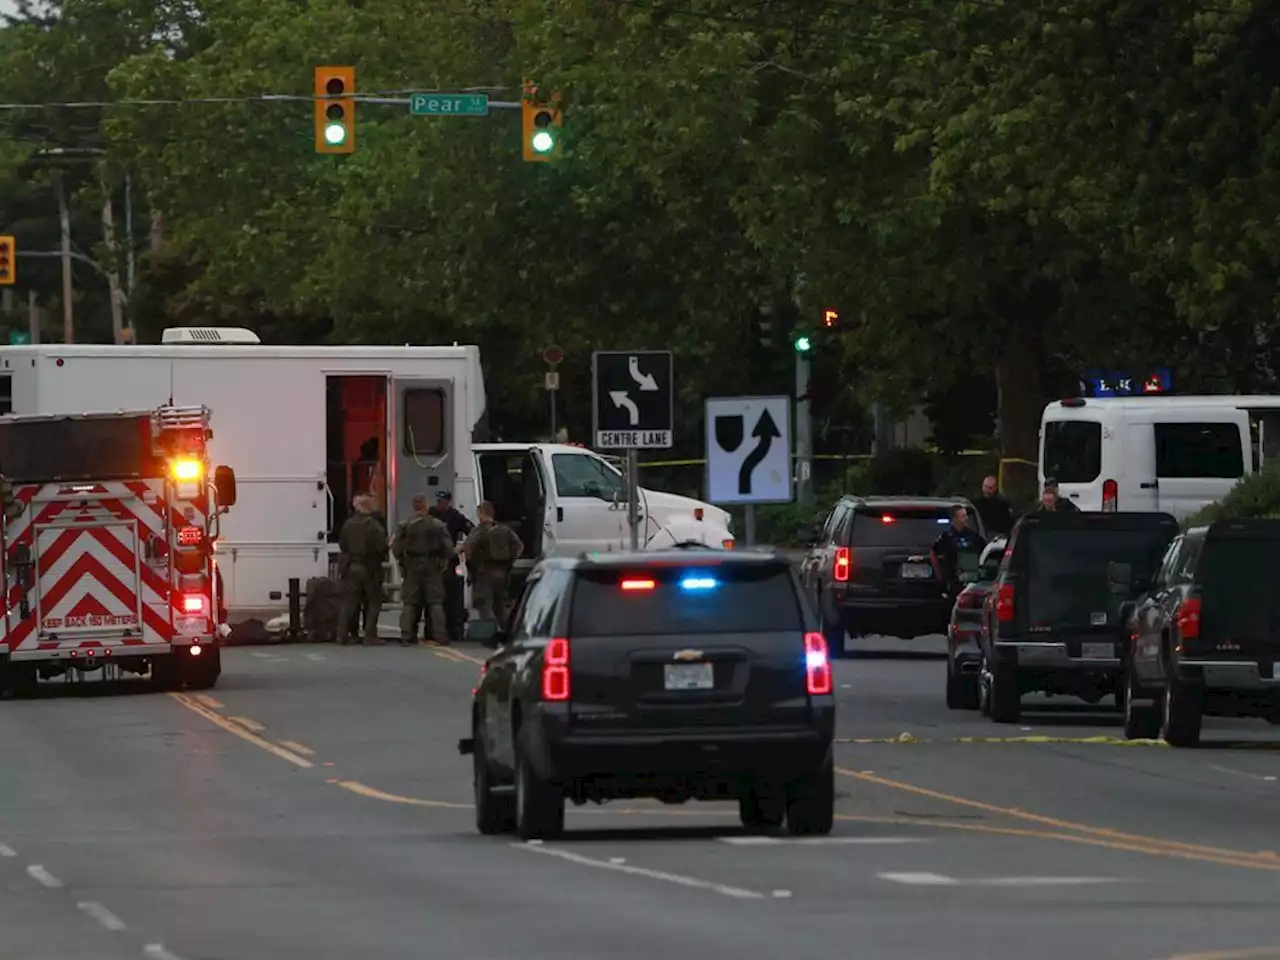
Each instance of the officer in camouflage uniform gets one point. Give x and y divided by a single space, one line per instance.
362 543
424 551
491 550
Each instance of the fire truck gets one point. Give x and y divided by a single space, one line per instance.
106 548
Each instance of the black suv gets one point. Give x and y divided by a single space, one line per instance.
869 569
676 675
1205 639
1055 621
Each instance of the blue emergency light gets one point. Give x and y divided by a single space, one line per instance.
699 583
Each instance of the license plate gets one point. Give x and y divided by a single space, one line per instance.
916 571
1098 651
189 626
689 676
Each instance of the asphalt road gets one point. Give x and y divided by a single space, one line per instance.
314 806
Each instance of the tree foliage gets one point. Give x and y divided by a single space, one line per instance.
982 189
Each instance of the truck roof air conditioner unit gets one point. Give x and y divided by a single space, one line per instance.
237 336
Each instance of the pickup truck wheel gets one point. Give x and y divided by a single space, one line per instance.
811 802
762 806
1183 712
539 804
494 814
1006 698
1141 720
962 691
202 672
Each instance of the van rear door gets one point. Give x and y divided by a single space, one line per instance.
1071 452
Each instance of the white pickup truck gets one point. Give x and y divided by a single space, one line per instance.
565 499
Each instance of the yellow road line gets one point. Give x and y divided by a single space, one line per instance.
208 701
453 653
373 794
297 747
1263 860
248 724
220 721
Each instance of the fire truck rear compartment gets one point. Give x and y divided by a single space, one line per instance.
89 592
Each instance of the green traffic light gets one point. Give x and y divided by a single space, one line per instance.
335 134
803 345
542 142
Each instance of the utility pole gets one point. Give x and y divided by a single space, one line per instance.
64 220
804 423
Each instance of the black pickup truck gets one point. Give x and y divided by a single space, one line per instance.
1054 622
1205 639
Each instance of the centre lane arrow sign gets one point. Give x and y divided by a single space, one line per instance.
633 399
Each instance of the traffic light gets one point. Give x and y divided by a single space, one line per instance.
541 122
803 344
8 262
830 318
335 109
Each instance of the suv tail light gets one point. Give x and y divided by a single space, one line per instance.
1004 603
817 665
843 564
555 670
1110 496
1189 618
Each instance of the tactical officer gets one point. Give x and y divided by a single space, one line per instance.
459 527
1063 504
491 550
424 551
362 543
957 551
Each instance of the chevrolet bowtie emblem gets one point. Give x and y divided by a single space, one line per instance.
687 655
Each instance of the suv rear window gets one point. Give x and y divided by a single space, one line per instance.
699 598
1072 450
1237 581
1067 578
901 527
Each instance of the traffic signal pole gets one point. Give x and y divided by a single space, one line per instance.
804 431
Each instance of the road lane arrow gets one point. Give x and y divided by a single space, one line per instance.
765 432
645 380
622 401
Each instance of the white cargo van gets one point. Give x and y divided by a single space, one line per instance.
306 428
1170 454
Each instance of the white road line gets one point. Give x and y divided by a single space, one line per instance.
7 851
817 841
42 876
919 879
937 880
100 913
261 656
739 893
157 951
314 656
